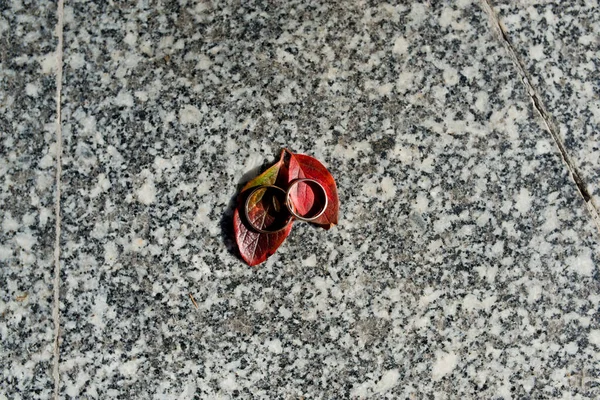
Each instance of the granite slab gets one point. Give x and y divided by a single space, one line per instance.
27 191
465 263
558 44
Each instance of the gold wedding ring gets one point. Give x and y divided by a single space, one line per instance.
275 204
292 209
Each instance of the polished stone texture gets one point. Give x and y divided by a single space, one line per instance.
27 194
465 263
559 43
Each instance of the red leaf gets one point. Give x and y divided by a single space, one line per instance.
256 247
303 166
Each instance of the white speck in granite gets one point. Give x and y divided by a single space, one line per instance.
228 383
594 337
130 368
400 45
32 90
537 52
124 98
9 223
146 194
523 201
388 188
76 60
361 390
481 102
25 240
310 261
48 63
582 264
286 96
450 78
190 114
388 381
274 346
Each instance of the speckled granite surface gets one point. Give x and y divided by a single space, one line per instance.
559 42
465 263
27 177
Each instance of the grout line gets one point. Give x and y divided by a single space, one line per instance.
59 145
543 112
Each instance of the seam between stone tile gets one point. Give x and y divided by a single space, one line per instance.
59 145
502 35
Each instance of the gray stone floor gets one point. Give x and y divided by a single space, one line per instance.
464 141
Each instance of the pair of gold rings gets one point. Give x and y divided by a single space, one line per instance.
289 204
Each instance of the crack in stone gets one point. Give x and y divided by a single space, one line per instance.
57 206
541 109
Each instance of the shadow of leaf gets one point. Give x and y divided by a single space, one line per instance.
226 222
